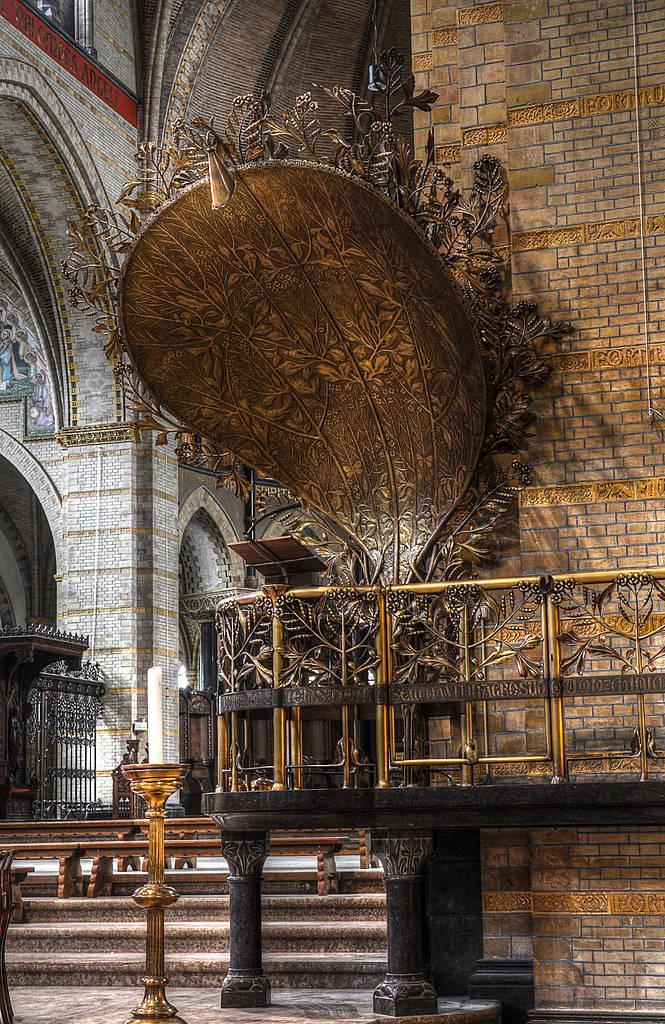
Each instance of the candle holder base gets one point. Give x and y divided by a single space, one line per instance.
163 1018
155 783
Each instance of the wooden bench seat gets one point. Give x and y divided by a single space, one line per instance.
131 851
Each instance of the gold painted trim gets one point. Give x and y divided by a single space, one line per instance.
120 608
100 433
574 902
134 650
138 531
479 15
114 491
587 234
593 492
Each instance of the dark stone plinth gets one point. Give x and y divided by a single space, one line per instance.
500 806
508 980
245 984
455 911
404 992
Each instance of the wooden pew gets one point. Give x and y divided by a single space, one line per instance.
132 851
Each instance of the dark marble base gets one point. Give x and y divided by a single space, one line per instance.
573 1016
496 806
241 989
396 996
508 980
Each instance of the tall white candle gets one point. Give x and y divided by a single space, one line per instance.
155 726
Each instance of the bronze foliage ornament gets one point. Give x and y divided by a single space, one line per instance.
334 317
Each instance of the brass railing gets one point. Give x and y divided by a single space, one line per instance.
429 684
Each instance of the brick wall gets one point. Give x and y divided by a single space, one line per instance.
589 905
548 88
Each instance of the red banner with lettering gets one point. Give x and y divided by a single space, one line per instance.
48 39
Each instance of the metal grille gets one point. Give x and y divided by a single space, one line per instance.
61 741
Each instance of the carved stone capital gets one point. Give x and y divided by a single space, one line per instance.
245 854
402 856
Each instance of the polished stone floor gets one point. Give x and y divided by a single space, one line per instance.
106 1005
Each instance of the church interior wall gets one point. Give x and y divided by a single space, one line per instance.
549 88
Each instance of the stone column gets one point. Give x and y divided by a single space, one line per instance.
245 984
208 654
404 990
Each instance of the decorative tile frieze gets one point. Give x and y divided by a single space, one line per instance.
486 135
590 902
584 106
481 15
446 36
587 234
592 493
100 433
607 358
448 154
422 62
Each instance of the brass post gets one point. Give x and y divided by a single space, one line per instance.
644 763
559 770
296 746
346 738
234 751
222 751
155 783
383 679
466 720
279 714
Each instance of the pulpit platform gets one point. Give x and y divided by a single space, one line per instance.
431 843
497 806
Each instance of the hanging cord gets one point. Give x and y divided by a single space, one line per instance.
97 526
375 34
654 414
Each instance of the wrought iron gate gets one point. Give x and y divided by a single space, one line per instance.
61 740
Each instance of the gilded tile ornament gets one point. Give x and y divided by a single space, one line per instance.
587 234
446 36
592 493
422 62
486 135
481 15
448 154
583 106
99 433
589 902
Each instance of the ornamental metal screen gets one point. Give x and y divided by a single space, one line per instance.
61 741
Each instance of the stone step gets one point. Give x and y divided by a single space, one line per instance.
194 970
343 907
203 936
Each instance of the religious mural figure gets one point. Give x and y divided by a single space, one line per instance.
23 369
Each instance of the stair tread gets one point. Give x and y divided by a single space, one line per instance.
89 958
115 926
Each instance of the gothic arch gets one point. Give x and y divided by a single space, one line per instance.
202 499
46 179
42 484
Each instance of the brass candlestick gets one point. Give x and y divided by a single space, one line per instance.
155 783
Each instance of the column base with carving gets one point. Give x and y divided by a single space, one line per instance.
245 985
404 991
